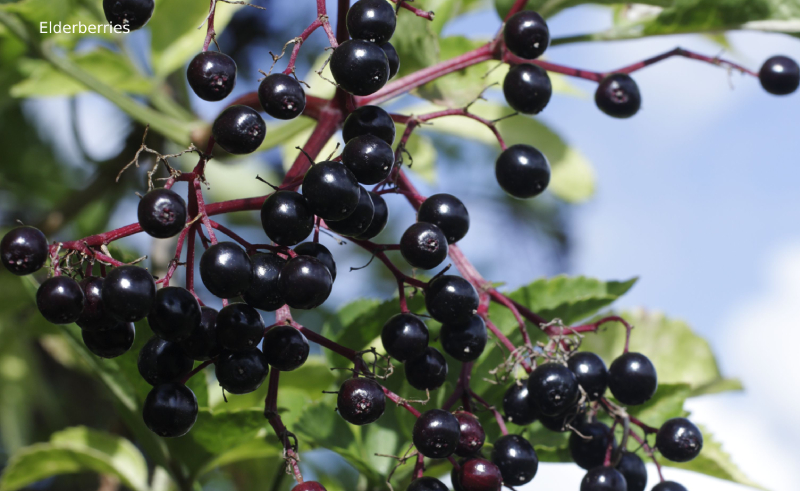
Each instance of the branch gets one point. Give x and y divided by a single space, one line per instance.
418 12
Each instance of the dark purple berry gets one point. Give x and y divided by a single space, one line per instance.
60 300
23 250
479 475
285 348
424 245
522 171
305 282
239 130
319 251
426 483
369 120
239 327
632 468
360 67
170 410
129 293
404 336
212 75
309 486
436 434
110 342
632 379
393 57
360 401
553 388
265 292
446 212
371 20
331 190
202 345
175 315
358 221
369 158
591 373
618 96
669 486
779 75
128 15
282 96
516 459
588 445
526 34
241 372
162 361
94 316
472 436
527 88
427 371
679 440
226 270
287 218
451 299
162 213
603 479
464 342
379 218
517 405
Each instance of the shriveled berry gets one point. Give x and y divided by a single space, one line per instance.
60 300
404 336
264 292
212 75
360 401
110 342
424 245
369 120
23 250
239 327
427 371
239 130
285 348
282 96
163 361
226 270
451 299
175 315
436 434
241 372
465 342
170 410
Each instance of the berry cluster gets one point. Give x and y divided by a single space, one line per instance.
565 389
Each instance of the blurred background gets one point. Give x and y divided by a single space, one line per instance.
698 196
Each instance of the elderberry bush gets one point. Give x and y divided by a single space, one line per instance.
231 347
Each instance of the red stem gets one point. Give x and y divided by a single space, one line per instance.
403 4
400 402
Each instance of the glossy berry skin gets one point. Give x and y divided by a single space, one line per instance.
285 348
162 213
427 371
282 96
526 34
110 342
472 436
591 373
360 401
239 327
162 361
239 130
94 316
589 449
404 336
379 218
632 379
358 221
23 250
241 372
129 293
369 120
371 20
464 342
369 158
309 486
618 96
517 405
779 75
226 270
212 75
170 410
516 459
451 299
436 434
319 251
632 468
175 315
331 190
669 486
393 57
426 483
264 292
360 67
60 300
286 217
603 479
553 388
679 440
423 245
479 475
527 88
522 171
131 13
305 282
202 345
446 212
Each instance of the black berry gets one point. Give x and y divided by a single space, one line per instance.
633 470
282 96
517 405
393 57
669 486
162 361
479 475
472 437
202 344
369 158
553 388
779 75
129 293
331 190
618 96
446 212
424 245
451 299
264 292
426 483
427 371
360 401
23 250
379 218
436 434
226 270
603 479
319 251
358 221
112 341
369 120
305 282
94 316
371 20
212 75
60 300
287 218
526 34
591 373
162 213
170 410
679 440
522 171
239 327
285 348
516 459
175 315
360 67
404 336
241 372
559 423
527 88
239 130
632 379
465 342
130 14
588 449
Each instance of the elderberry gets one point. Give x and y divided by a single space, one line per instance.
282 96
360 401
212 75
23 250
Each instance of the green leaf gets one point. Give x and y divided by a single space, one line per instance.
667 403
76 450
